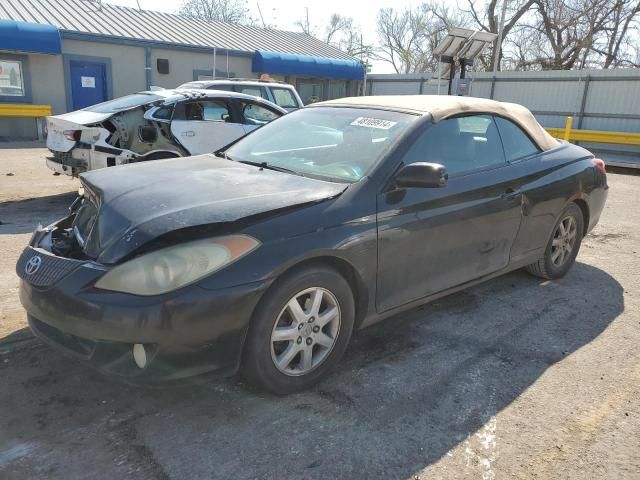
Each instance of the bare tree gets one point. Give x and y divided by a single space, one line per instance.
521 49
341 32
570 28
487 17
337 24
228 11
305 25
617 49
407 38
566 34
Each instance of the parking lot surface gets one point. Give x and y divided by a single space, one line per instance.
515 378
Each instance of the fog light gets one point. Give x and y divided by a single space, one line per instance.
140 355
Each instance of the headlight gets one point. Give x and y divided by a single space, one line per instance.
174 267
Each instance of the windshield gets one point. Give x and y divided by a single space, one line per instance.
123 103
336 144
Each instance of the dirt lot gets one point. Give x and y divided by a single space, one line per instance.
516 378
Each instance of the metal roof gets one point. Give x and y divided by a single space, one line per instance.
111 21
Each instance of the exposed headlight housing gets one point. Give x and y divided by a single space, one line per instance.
177 266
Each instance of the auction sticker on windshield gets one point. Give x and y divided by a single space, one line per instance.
373 123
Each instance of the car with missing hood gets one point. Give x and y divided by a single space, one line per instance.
152 125
266 256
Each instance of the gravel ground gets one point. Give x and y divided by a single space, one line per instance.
516 378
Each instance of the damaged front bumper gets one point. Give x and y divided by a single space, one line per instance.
187 332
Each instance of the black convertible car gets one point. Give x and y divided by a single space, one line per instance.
266 256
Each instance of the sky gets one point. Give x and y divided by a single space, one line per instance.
284 13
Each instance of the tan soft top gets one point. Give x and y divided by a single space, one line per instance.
444 106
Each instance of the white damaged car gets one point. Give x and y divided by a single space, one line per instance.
152 125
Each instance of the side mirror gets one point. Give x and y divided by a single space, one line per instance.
422 175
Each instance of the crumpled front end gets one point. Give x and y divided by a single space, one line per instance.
179 334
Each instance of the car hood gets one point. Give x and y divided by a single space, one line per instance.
138 203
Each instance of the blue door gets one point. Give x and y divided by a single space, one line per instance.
88 83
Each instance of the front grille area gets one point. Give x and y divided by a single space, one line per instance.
42 269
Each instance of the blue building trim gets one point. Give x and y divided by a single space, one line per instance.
307 65
29 37
93 37
67 58
26 80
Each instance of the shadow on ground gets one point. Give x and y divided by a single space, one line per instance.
17 216
409 390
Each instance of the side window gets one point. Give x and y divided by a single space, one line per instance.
11 78
251 90
163 113
284 98
461 144
516 143
221 86
204 110
14 78
254 114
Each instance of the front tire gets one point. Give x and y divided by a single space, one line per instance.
299 331
563 246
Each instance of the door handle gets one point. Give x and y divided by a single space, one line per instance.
510 194
189 133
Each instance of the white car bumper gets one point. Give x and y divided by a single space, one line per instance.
92 157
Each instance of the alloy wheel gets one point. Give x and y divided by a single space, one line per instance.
305 331
564 240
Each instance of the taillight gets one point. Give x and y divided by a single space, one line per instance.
73 135
599 164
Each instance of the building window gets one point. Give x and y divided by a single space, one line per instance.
163 66
11 78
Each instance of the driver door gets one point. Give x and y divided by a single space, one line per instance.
432 239
205 125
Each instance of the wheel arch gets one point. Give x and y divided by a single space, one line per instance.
351 275
584 207
343 267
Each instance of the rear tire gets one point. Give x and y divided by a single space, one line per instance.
299 330
562 247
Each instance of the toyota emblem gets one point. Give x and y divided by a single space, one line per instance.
33 265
